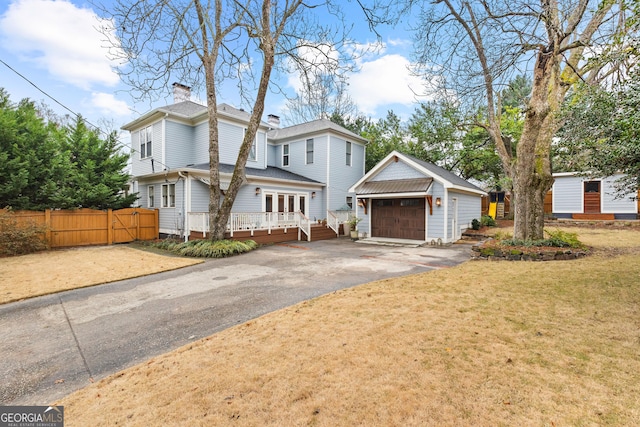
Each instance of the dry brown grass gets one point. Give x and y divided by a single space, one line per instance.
48 272
485 343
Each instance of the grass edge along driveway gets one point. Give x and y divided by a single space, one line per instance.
48 272
484 343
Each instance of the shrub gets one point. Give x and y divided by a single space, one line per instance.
207 248
557 239
20 237
475 224
488 221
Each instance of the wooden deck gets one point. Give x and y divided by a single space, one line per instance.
278 235
593 217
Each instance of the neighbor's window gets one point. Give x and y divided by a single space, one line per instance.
168 195
348 153
592 187
146 136
350 201
309 151
285 155
150 196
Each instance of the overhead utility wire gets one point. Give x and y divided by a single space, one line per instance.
69 109
51 97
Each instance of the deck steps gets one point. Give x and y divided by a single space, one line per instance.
593 216
322 232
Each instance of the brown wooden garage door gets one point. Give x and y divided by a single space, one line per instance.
398 218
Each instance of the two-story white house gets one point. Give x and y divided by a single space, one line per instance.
296 175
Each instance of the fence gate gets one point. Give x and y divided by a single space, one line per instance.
126 224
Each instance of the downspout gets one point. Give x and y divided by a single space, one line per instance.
186 196
328 175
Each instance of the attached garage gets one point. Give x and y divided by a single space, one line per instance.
406 198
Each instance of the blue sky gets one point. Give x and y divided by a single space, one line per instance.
54 44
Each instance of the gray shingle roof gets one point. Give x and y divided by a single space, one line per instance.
309 128
448 175
269 172
185 108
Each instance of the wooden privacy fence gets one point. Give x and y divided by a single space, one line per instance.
83 227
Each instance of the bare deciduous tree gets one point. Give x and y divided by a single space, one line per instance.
479 46
208 42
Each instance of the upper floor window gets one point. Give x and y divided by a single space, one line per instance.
348 153
146 137
168 195
150 196
285 155
253 152
309 151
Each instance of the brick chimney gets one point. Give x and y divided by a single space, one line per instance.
273 121
181 92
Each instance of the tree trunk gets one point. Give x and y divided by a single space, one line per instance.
532 178
267 45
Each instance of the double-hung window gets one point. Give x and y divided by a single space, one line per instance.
168 195
309 157
348 153
253 152
150 196
285 155
146 137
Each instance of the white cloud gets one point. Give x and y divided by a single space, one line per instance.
399 42
109 105
316 59
61 38
384 81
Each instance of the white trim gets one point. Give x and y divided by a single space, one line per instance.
306 151
288 155
163 145
389 158
445 219
394 195
274 201
455 226
149 205
328 177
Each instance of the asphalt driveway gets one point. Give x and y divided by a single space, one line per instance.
53 345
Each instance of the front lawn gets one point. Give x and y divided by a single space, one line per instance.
484 343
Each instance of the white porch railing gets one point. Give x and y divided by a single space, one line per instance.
252 221
335 218
333 222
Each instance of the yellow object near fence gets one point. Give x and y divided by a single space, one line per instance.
493 209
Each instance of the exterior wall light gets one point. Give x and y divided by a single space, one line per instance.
313 194
438 201
257 190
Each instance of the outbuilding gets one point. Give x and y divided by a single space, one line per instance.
576 196
406 198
